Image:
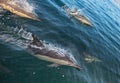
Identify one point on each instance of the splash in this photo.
(16, 36)
(17, 32)
(60, 50)
(69, 9)
(23, 4)
(22, 38)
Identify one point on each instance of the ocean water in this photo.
(60, 31)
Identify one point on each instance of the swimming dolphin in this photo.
(41, 52)
(83, 20)
(77, 15)
(90, 58)
(14, 8)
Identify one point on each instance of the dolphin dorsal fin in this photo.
(36, 41)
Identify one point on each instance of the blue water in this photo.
(101, 41)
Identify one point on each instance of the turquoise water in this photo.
(101, 41)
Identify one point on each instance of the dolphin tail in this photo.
(36, 41)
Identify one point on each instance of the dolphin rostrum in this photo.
(41, 52)
(16, 9)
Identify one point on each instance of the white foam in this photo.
(18, 32)
(16, 36)
(12, 40)
(24, 34)
(23, 4)
(70, 9)
(60, 50)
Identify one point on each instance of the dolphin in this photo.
(90, 58)
(83, 20)
(14, 8)
(77, 16)
(41, 52)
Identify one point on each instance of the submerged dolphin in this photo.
(14, 8)
(41, 52)
(90, 58)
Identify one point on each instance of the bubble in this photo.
(34, 73)
(63, 76)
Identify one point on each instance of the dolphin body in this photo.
(90, 58)
(39, 50)
(83, 20)
(17, 10)
(79, 17)
(31, 44)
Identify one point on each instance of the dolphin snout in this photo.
(77, 67)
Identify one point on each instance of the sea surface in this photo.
(60, 31)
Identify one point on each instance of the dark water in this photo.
(101, 41)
